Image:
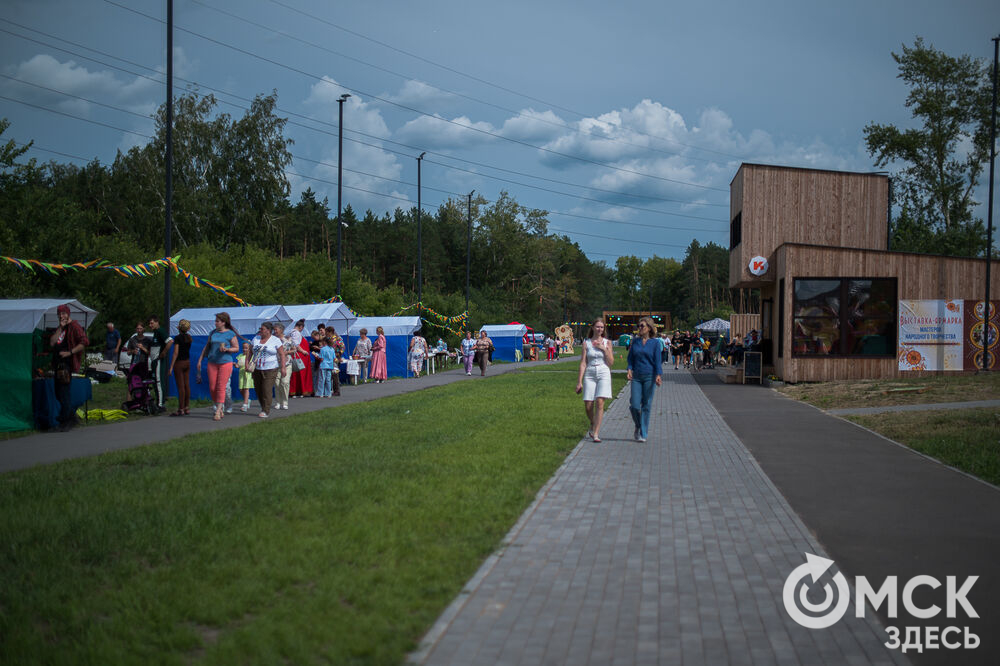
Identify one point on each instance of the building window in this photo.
(736, 230)
(844, 317)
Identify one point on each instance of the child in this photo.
(246, 376)
(327, 359)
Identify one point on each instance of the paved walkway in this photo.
(49, 447)
(670, 552)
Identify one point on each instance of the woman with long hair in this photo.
(380, 370)
(594, 379)
(218, 351)
(645, 372)
(180, 367)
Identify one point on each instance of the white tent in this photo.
(713, 325)
(26, 314)
(336, 314)
(246, 321)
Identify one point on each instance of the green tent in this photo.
(19, 322)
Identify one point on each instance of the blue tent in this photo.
(508, 340)
(398, 332)
(246, 323)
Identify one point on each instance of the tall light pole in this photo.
(340, 177)
(169, 159)
(420, 247)
(468, 256)
(989, 224)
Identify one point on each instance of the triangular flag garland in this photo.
(125, 270)
(153, 267)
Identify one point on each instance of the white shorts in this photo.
(596, 382)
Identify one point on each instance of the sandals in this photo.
(597, 440)
(177, 413)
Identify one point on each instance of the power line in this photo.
(418, 111)
(376, 138)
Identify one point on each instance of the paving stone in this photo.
(672, 551)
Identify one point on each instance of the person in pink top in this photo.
(379, 371)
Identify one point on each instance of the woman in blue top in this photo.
(219, 351)
(645, 372)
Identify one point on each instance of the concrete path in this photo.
(674, 551)
(49, 447)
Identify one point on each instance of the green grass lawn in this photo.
(331, 537)
(968, 439)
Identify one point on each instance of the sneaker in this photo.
(284, 405)
(642, 439)
(469, 374)
(263, 415)
(229, 411)
(245, 407)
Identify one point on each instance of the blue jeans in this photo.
(641, 401)
(324, 389)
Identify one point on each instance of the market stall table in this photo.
(45, 406)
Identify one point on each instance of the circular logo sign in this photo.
(758, 266)
(795, 594)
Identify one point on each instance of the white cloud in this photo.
(419, 95)
(534, 126)
(436, 133)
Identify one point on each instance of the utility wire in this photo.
(418, 111)
(350, 131)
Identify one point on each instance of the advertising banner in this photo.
(947, 334)
(931, 335)
(975, 325)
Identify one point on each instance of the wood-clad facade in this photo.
(821, 227)
(774, 205)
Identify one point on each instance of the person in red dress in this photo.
(302, 380)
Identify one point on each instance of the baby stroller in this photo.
(139, 382)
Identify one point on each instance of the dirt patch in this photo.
(886, 392)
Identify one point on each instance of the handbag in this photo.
(298, 364)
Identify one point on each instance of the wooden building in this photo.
(815, 243)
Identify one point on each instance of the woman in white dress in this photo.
(594, 380)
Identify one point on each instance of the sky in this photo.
(625, 121)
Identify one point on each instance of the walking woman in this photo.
(645, 371)
(379, 371)
(268, 359)
(180, 367)
(468, 352)
(418, 353)
(483, 348)
(218, 351)
(594, 380)
(284, 381)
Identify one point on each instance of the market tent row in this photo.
(508, 340)
(398, 333)
(246, 322)
(336, 314)
(20, 321)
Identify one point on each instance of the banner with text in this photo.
(931, 335)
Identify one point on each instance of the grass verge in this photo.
(903, 391)
(331, 537)
(968, 439)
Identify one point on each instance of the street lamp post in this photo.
(420, 247)
(340, 178)
(468, 255)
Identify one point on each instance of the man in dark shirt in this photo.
(159, 353)
(112, 343)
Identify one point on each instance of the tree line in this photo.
(235, 224)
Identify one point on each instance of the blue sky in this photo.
(627, 121)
